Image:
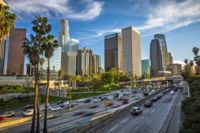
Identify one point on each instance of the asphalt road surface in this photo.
(151, 120)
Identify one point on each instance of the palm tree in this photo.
(49, 46)
(186, 61)
(60, 75)
(33, 54)
(7, 21)
(33, 49)
(191, 63)
(195, 51)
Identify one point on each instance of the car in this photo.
(28, 107)
(145, 94)
(9, 114)
(172, 92)
(87, 100)
(63, 104)
(55, 108)
(3, 118)
(89, 113)
(110, 104)
(95, 100)
(93, 107)
(136, 110)
(125, 101)
(115, 95)
(28, 112)
(148, 104)
(154, 99)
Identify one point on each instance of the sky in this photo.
(91, 20)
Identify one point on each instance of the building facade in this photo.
(170, 58)
(68, 64)
(164, 51)
(146, 67)
(64, 32)
(96, 63)
(15, 64)
(84, 61)
(113, 51)
(55, 60)
(131, 53)
(156, 58)
(175, 69)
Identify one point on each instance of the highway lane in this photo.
(150, 121)
(62, 117)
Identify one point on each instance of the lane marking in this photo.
(124, 120)
(152, 111)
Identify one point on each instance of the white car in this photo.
(55, 108)
(28, 112)
(9, 114)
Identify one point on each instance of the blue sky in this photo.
(91, 20)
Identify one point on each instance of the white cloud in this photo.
(179, 62)
(56, 8)
(170, 15)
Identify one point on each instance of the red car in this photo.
(3, 118)
(125, 101)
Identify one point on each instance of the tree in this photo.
(7, 21)
(195, 51)
(33, 48)
(60, 75)
(187, 71)
(49, 46)
(107, 77)
(186, 61)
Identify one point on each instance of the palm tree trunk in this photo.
(35, 105)
(46, 99)
(38, 104)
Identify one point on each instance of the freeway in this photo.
(151, 120)
(63, 117)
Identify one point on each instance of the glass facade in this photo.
(146, 66)
(55, 61)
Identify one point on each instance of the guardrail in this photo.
(102, 123)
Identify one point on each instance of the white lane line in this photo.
(124, 120)
(113, 128)
(152, 111)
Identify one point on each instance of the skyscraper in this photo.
(55, 60)
(156, 57)
(96, 63)
(84, 61)
(146, 66)
(15, 52)
(69, 52)
(163, 47)
(69, 62)
(64, 32)
(113, 51)
(131, 54)
(170, 58)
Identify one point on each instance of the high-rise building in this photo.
(96, 63)
(170, 57)
(55, 60)
(64, 33)
(131, 53)
(175, 69)
(84, 61)
(113, 51)
(69, 52)
(69, 62)
(156, 58)
(15, 52)
(146, 66)
(163, 47)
